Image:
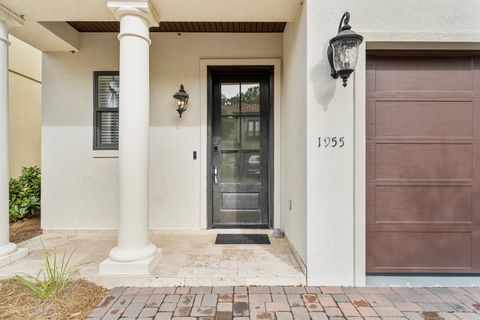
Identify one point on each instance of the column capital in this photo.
(10, 18)
(143, 9)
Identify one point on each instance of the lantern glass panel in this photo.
(345, 53)
(182, 103)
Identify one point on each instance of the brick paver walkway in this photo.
(286, 303)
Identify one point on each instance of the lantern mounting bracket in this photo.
(345, 20)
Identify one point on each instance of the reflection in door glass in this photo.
(230, 167)
(250, 132)
(230, 118)
(251, 97)
(240, 133)
(251, 160)
(230, 132)
(252, 167)
(230, 99)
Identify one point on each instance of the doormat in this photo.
(223, 238)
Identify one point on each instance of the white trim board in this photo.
(276, 63)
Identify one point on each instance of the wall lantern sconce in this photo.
(182, 100)
(343, 50)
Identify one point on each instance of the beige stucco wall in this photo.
(25, 76)
(79, 185)
(294, 170)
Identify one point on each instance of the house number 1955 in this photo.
(332, 142)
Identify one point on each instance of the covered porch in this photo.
(188, 259)
(105, 202)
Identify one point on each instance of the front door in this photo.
(240, 149)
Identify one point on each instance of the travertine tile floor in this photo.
(287, 303)
(190, 259)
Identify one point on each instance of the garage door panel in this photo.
(370, 118)
(476, 161)
(422, 227)
(370, 203)
(476, 250)
(443, 75)
(370, 249)
(422, 251)
(476, 206)
(423, 161)
(439, 119)
(427, 204)
(476, 118)
(370, 77)
(476, 76)
(423, 164)
(370, 152)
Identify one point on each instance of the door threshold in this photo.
(240, 227)
(241, 231)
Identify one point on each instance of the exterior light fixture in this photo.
(343, 50)
(182, 100)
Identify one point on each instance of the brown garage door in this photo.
(423, 163)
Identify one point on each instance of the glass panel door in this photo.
(240, 152)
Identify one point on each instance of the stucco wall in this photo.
(25, 89)
(80, 185)
(336, 177)
(294, 173)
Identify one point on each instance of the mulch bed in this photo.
(78, 299)
(25, 229)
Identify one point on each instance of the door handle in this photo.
(215, 174)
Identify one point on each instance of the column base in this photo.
(13, 256)
(8, 249)
(140, 267)
(130, 255)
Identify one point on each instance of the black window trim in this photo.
(96, 111)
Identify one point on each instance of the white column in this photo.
(8, 250)
(5, 246)
(133, 243)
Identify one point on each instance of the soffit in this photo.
(169, 10)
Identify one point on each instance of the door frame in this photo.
(275, 194)
(240, 71)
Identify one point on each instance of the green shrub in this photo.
(53, 278)
(25, 194)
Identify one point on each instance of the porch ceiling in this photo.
(183, 26)
(45, 27)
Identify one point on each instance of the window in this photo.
(253, 128)
(106, 105)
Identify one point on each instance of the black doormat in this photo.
(223, 238)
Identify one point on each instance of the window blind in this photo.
(106, 105)
(108, 128)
